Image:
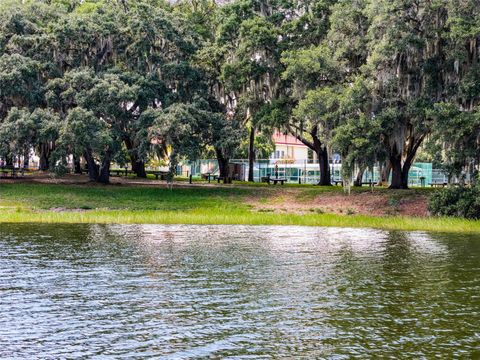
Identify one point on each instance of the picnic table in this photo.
(438, 184)
(278, 180)
(445, 184)
(120, 172)
(13, 173)
(208, 176)
(370, 183)
(158, 174)
(125, 172)
(336, 182)
(4, 173)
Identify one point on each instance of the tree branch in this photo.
(299, 136)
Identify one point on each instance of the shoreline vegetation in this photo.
(33, 202)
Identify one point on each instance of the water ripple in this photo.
(236, 292)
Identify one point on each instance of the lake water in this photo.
(236, 292)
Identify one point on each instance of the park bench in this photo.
(370, 183)
(337, 182)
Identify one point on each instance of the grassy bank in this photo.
(47, 203)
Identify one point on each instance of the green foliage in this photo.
(187, 128)
(310, 68)
(21, 131)
(264, 147)
(19, 81)
(457, 133)
(373, 80)
(456, 201)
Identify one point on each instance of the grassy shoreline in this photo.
(218, 218)
(70, 204)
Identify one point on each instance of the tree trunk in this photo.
(44, 164)
(322, 153)
(9, 161)
(397, 176)
(385, 172)
(405, 170)
(358, 181)
(104, 174)
(325, 179)
(401, 168)
(400, 171)
(77, 166)
(222, 164)
(251, 154)
(26, 160)
(138, 167)
(92, 167)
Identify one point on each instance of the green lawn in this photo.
(195, 205)
(44, 197)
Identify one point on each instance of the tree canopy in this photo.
(376, 81)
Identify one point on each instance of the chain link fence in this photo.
(308, 171)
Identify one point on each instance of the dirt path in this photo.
(366, 203)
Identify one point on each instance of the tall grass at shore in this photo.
(219, 216)
(45, 203)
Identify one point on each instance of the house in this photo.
(288, 147)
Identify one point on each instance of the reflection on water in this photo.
(181, 292)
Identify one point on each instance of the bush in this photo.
(456, 201)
